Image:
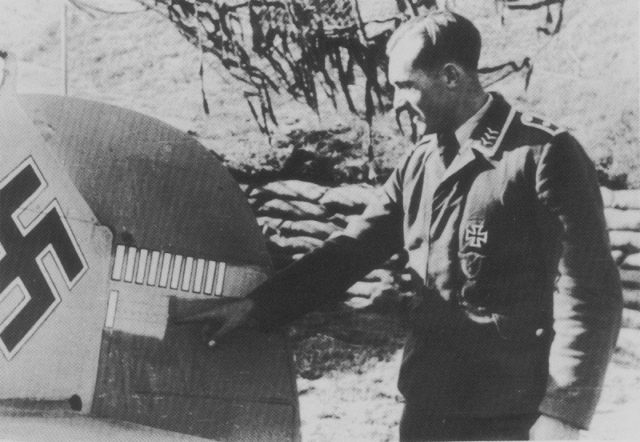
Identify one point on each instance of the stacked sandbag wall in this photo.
(622, 213)
(297, 216)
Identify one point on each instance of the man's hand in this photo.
(227, 315)
(550, 428)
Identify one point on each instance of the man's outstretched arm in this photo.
(320, 276)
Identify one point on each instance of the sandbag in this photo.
(291, 210)
(339, 220)
(632, 261)
(618, 219)
(625, 240)
(630, 318)
(607, 196)
(363, 289)
(625, 199)
(379, 275)
(297, 244)
(631, 299)
(348, 199)
(273, 223)
(618, 256)
(253, 203)
(359, 302)
(312, 228)
(289, 190)
(351, 218)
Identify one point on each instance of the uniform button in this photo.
(540, 332)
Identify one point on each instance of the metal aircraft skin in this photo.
(111, 223)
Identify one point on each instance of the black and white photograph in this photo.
(319, 220)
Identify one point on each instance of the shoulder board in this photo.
(540, 123)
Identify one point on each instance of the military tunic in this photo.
(518, 300)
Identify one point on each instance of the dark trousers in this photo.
(415, 426)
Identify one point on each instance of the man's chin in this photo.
(415, 122)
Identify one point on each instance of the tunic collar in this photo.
(483, 146)
(492, 127)
(487, 130)
(463, 133)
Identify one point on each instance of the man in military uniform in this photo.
(518, 301)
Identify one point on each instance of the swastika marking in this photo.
(475, 235)
(25, 248)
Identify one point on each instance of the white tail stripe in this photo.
(111, 309)
(131, 263)
(220, 278)
(164, 271)
(197, 279)
(186, 277)
(175, 274)
(142, 266)
(153, 268)
(118, 262)
(211, 273)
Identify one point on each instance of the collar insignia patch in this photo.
(489, 137)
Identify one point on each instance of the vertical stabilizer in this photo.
(54, 259)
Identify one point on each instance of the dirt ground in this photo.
(586, 79)
(362, 404)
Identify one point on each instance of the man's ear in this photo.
(451, 74)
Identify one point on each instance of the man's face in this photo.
(425, 95)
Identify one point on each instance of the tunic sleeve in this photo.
(588, 299)
(326, 273)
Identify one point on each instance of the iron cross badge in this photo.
(475, 235)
